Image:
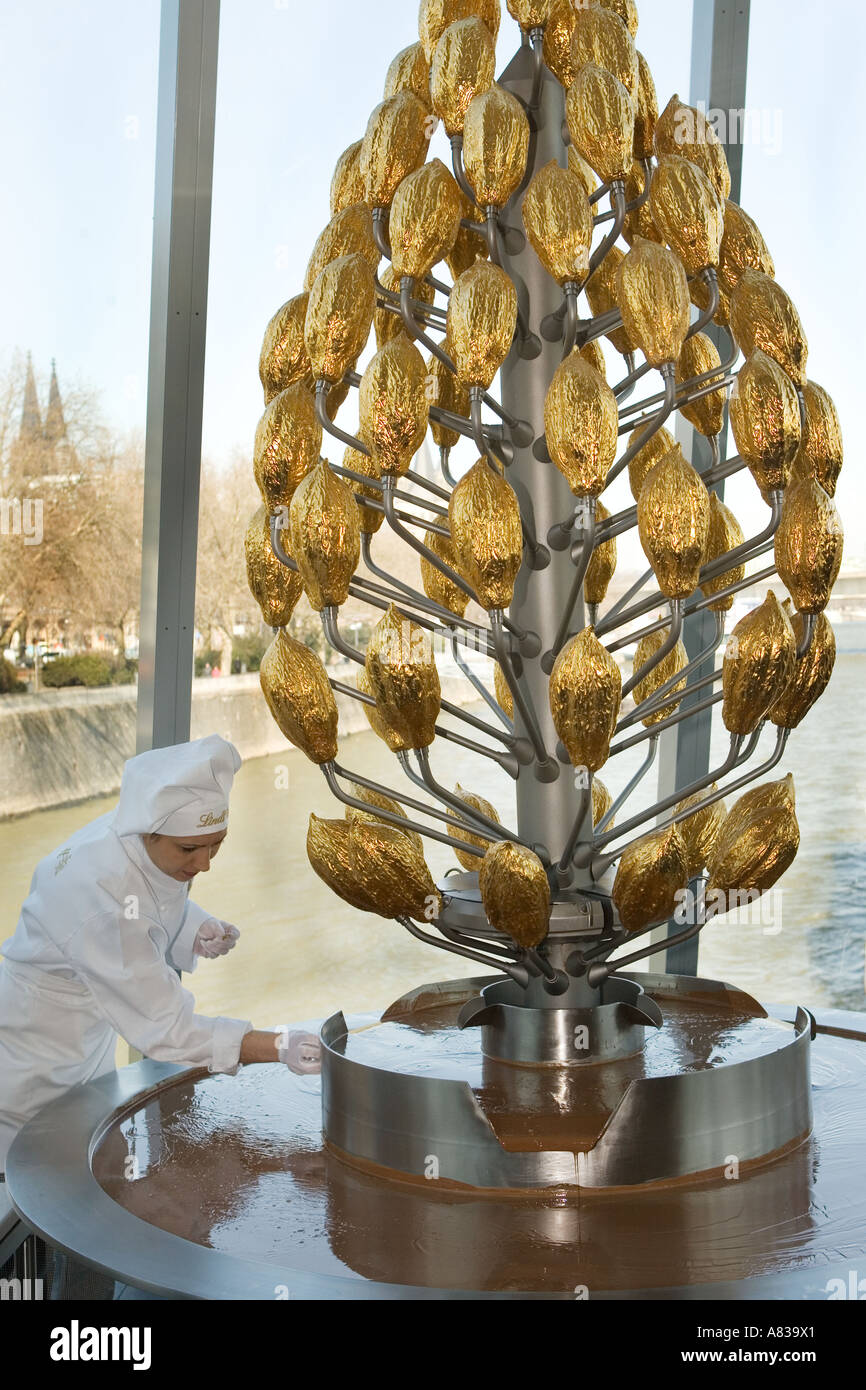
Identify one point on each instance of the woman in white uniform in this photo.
(106, 926)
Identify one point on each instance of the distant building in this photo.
(43, 453)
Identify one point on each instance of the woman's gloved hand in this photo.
(301, 1052)
(215, 938)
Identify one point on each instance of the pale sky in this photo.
(296, 85)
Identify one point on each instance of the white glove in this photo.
(215, 938)
(301, 1052)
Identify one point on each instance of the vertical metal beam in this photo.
(720, 40)
(189, 33)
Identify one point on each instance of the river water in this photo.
(303, 953)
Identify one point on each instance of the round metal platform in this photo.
(197, 1186)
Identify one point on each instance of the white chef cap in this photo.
(180, 790)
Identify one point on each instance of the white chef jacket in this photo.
(92, 957)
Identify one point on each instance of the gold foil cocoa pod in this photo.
(699, 354)
(580, 424)
(347, 181)
(495, 146)
(339, 316)
(377, 721)
(578, 166)
(388, 325)
(757, 842)
(446, 393)
(469, 246)
(662, 672)
(763, 316)
(592, 353)
(472, 862)
(627, 11)
(820, 454)
(434, 16)
(600, 37)
(328, 853)
(657, 447)
(651, 875)
(482, 314)
(502, 691)
(646, 110)
(395, 143)
(515, 892)
(348, 232)
(700, 830)
(687, 211)
(673, 517)
(437, 586)
(742, 248)
(601, 802)
(652, 292)
(275, 587)
(765, 419)
(601, 290)
(403, 678)
(725, 533)
(557, 41)
(600, 115)
(685, 131)
(808, 545)
(585, 694)
(299, 696)
(486, 533)
(378, 802)
(284, 359)
(758, 665)
(463, 65)
(558, 220)
(602, 563)
(325, 535)
(530, 14)
(287, 444)
(424, 219)
(369, 518)
(393, 405)
(639, 222)
(812, 672)
(392, 872)
(409, 71)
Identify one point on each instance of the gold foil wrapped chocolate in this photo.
(347, 181)
(765, 419)
(646, 110)
(581, 423)
(700, 830)
(600, 115)
(328, 853)
(470, 246)
(673, 517)
(585, 694)
(601, 802)
(661, 673)
(339, 316)
(287, 444)
(558, 220)
(504, 697)
(348, 232)
(388, 324)
(651, 874)
(393, 405)
(653, 295)
(602, 563)
(578, 166)
(812, 673)
(377, 721)
(463, 65)
(446, 393)
(394, 144)
(377, 803)
(424, 219)
(601, 293)
(403, 678)
(639, 222)
(515, 892)
(495, 146)
(725, 533)
(757, 842)
(486, 533)
(409, 71)
(600, 37)
(656, 448)
(482, 314)
(820, 454)
(557, 41)
(472, 862)
(275, 587)
(687, 211)
(593, 354)
(434, 16)
(758, 665)
(369, 518)
(392, 872)
(763, 316)
(685, 131)
(742, 248)
(284, 358)
(325, 536)
(299, 696)
(627, 11)
(808, 545)
(530, 14)
(437, 586)
(699, 354)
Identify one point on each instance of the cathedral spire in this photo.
(55, 424)
(31, 422)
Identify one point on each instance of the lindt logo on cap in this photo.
(208, 818)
